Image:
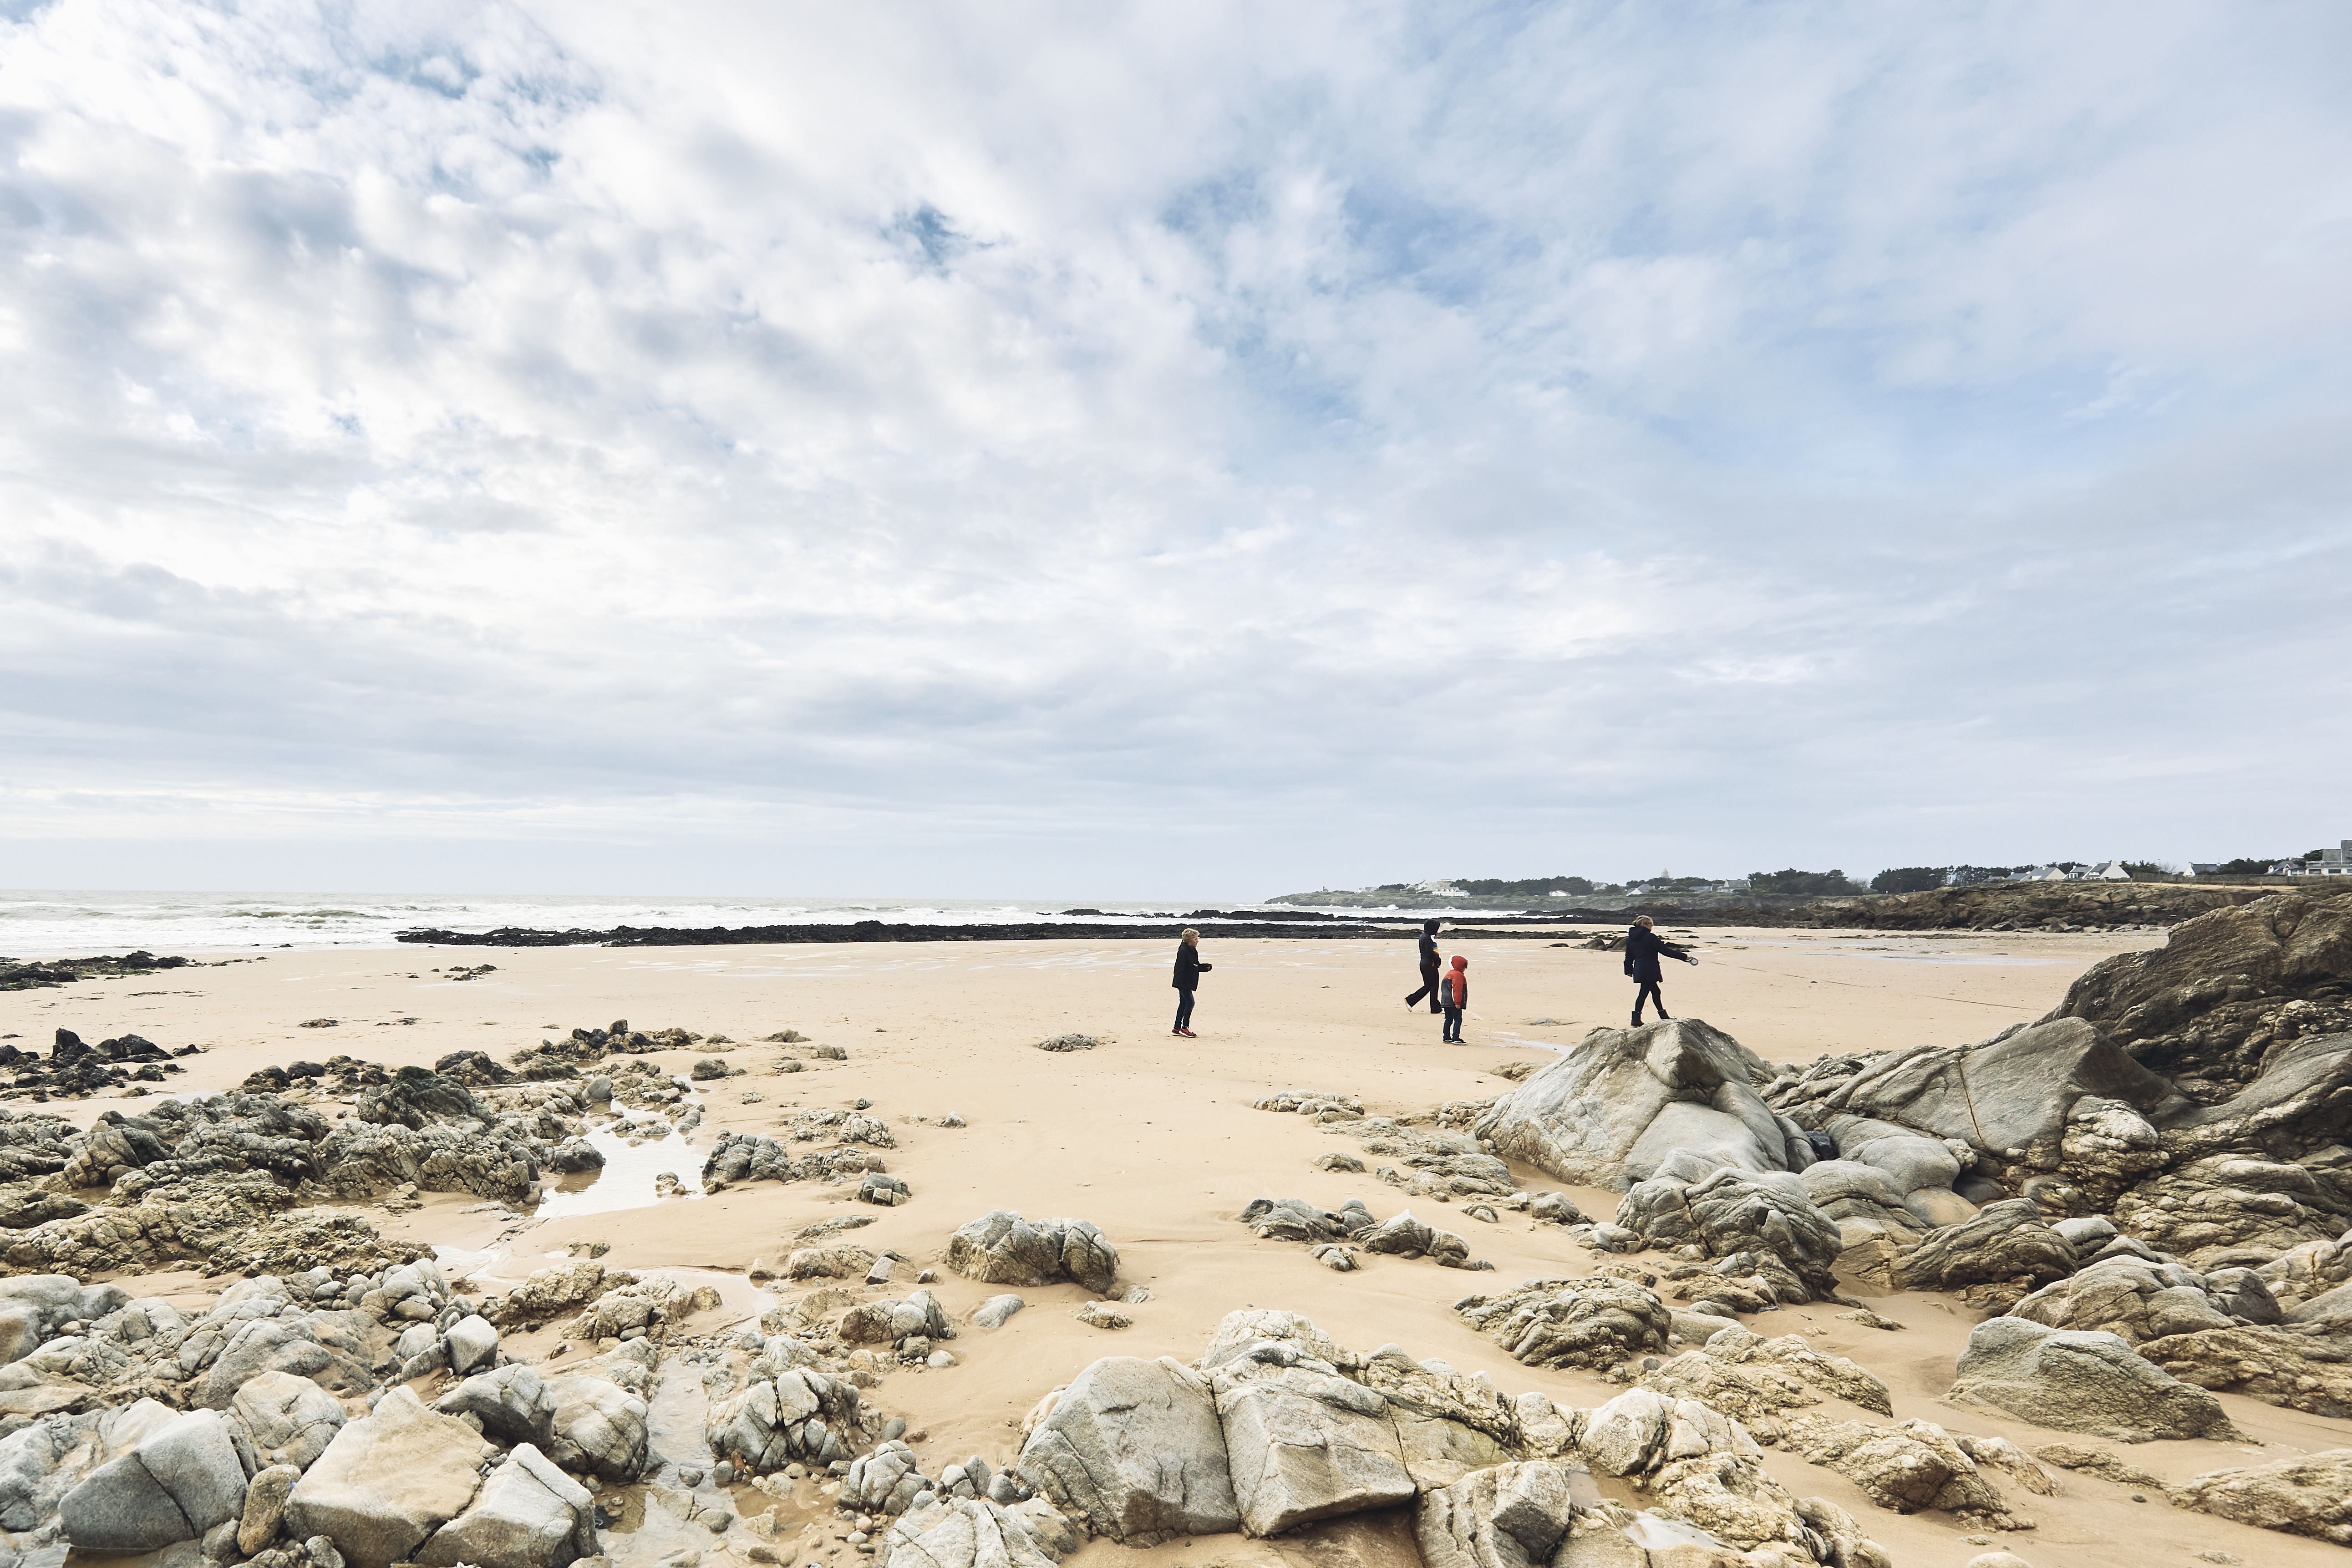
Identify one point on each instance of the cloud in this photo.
(1200, 449)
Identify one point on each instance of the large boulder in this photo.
(2077, 1381)
(178, 1483)
(1134, 1446)
(2296, 1366)
(2008, 1096)
(1002, 1248)
(1590, 1116)
(2221, 991)
(1304, 1444)
(2301, 1099)
(388, 1481)
(416, 1097)
(528, 1514)
(1908, 1467)
(2308, 1494)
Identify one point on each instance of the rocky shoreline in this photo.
(2143, 1199)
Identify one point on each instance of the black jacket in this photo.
(1189, 967)
(1429, 954)
(1644, 948)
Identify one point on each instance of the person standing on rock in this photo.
(1428, 969)
(1644, 948)
(1189, 970)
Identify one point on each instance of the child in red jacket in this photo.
(1453, 990)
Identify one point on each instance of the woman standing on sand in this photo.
(1644, 948)
(1189, 970)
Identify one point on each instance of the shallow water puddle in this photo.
(631, 1170)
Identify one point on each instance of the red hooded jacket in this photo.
(1456, 987)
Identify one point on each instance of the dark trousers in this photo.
(1428, 988)
(1183, 1009)
(1452, 1030)
(1648, 992)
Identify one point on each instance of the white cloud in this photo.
(1194, 448)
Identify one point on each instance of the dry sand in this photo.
(1153, 1138)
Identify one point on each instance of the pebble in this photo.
(893, 1427)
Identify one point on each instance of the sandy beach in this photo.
(1154, 1140)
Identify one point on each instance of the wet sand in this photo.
(1154, 1140)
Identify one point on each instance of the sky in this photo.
(1189, 449)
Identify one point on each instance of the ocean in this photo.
(67, 924)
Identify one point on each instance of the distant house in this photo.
(2045, 874)
(2335, 862)
(2113, 871)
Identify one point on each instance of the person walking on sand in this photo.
(1189, 970)
(1644, 948)
(1455, 990)
(1428, 969)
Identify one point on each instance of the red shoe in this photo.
(1188, 1034)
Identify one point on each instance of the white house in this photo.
(2335, 862)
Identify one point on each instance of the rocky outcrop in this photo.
(2075, 1381)
(2208, 1006)
(1908, 1467)
(2229, 1210)
(2138, 1300)
(1621, 1101)
(528, 1514)
(181, 1481)
(968, 1532)
(1733, 1212)
(1754, 1379)
(2008, 1244)
(746, 1157)
(1593, 1323)
(2296, 1366)
(2310, 1495)
(1002, 1248)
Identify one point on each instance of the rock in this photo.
(276, 1418)
(417, 1097)
(1732, 1212)
(1747, 1376)
(1095, 1315)
(179, 1482)
(471, 1342)
(2306, 1495)
(387, 1481)
(2076, 1381)
(2007, 1242)
(2127, 1297)
(1594, 1323)
(888, 1191)
(2216, 1210)
(2284, 1365)
(839, 1261)
(2013, 1091)
(803, 1414)
(1135, 1446)
(1997, 1560)
(265, 1507)
(33, 1308)
(599, 1429)
(997, 1310)
(1306, 1445)
(1583, 1117)
(551, 1294)
(1911, 1466)
(888, 1322)
(965, 1532)
(1002, 1248)
(1344, 1164)
(529, 1514)
(2097, 1462)
(2214, 999)
(1509, 1516)
(1295, 1219)
(513, 1404)
(1068, 1043)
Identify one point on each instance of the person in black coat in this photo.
(1189, 970)
(1428, 969)
(1644, 948)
